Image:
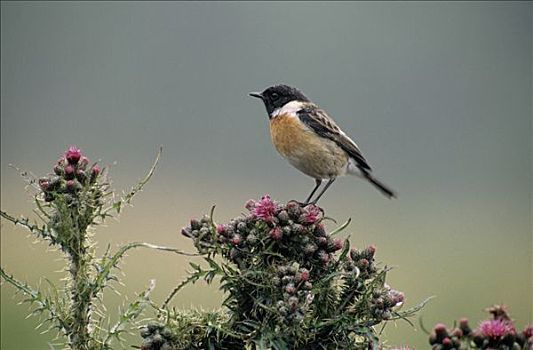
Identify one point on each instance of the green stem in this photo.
(79, 337)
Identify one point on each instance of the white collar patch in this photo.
(290, 108)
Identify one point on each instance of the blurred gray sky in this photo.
(437, 95)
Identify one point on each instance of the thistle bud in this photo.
(446, 342)
(95, 171)
(195, 224)
(294, 209)
(322, 241)
(310, 248)
(186, 231)
(335, 245)
(69, 172)
(59, 170)
(241, 226)
(252, 239)
(221, 229)
(48, 197)
(283, 216)
(81, 176)
(457, 333)
(293, 303)
(324, 257)
(250, 204)
(369, 252)
(72, 185)
(464, 326)
(289, 288)
(303, 275)
(44, 184)
(73, 155)
(320, 230)
(82, 164)
(236, 240)
(276, 234)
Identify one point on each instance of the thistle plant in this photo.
(289, 284)
(497, 333)
(70, 203)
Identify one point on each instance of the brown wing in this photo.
(322, 124)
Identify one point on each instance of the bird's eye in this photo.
(275, 96)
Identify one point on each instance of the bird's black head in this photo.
(277, 96)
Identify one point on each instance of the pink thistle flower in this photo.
(311, 214)
(73, 155)
(496, 329)
(265, 209)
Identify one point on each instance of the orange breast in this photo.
(312, 154)
(288, 134)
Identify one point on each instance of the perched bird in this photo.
(311, 141)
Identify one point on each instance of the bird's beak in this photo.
(256, 94)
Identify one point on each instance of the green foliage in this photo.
(288, 284)
(70, 203)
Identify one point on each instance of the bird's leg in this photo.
(323, 190)
(318, 183)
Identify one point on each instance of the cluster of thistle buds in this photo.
(362, 261)
(200, 232)
(498, 332)
(293, 225)
(383, 301)
(71, 174)
(157, 337)
(295, 287)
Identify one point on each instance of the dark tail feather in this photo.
(380, 186)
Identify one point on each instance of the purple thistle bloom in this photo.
(496, 329)
(265, 209)
(73, 155)
(311, 214)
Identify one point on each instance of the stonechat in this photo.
(311, 141)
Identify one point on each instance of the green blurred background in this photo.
(438, 96)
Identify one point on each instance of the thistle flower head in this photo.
(496, 329)
(265, 209)
(311, 214)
